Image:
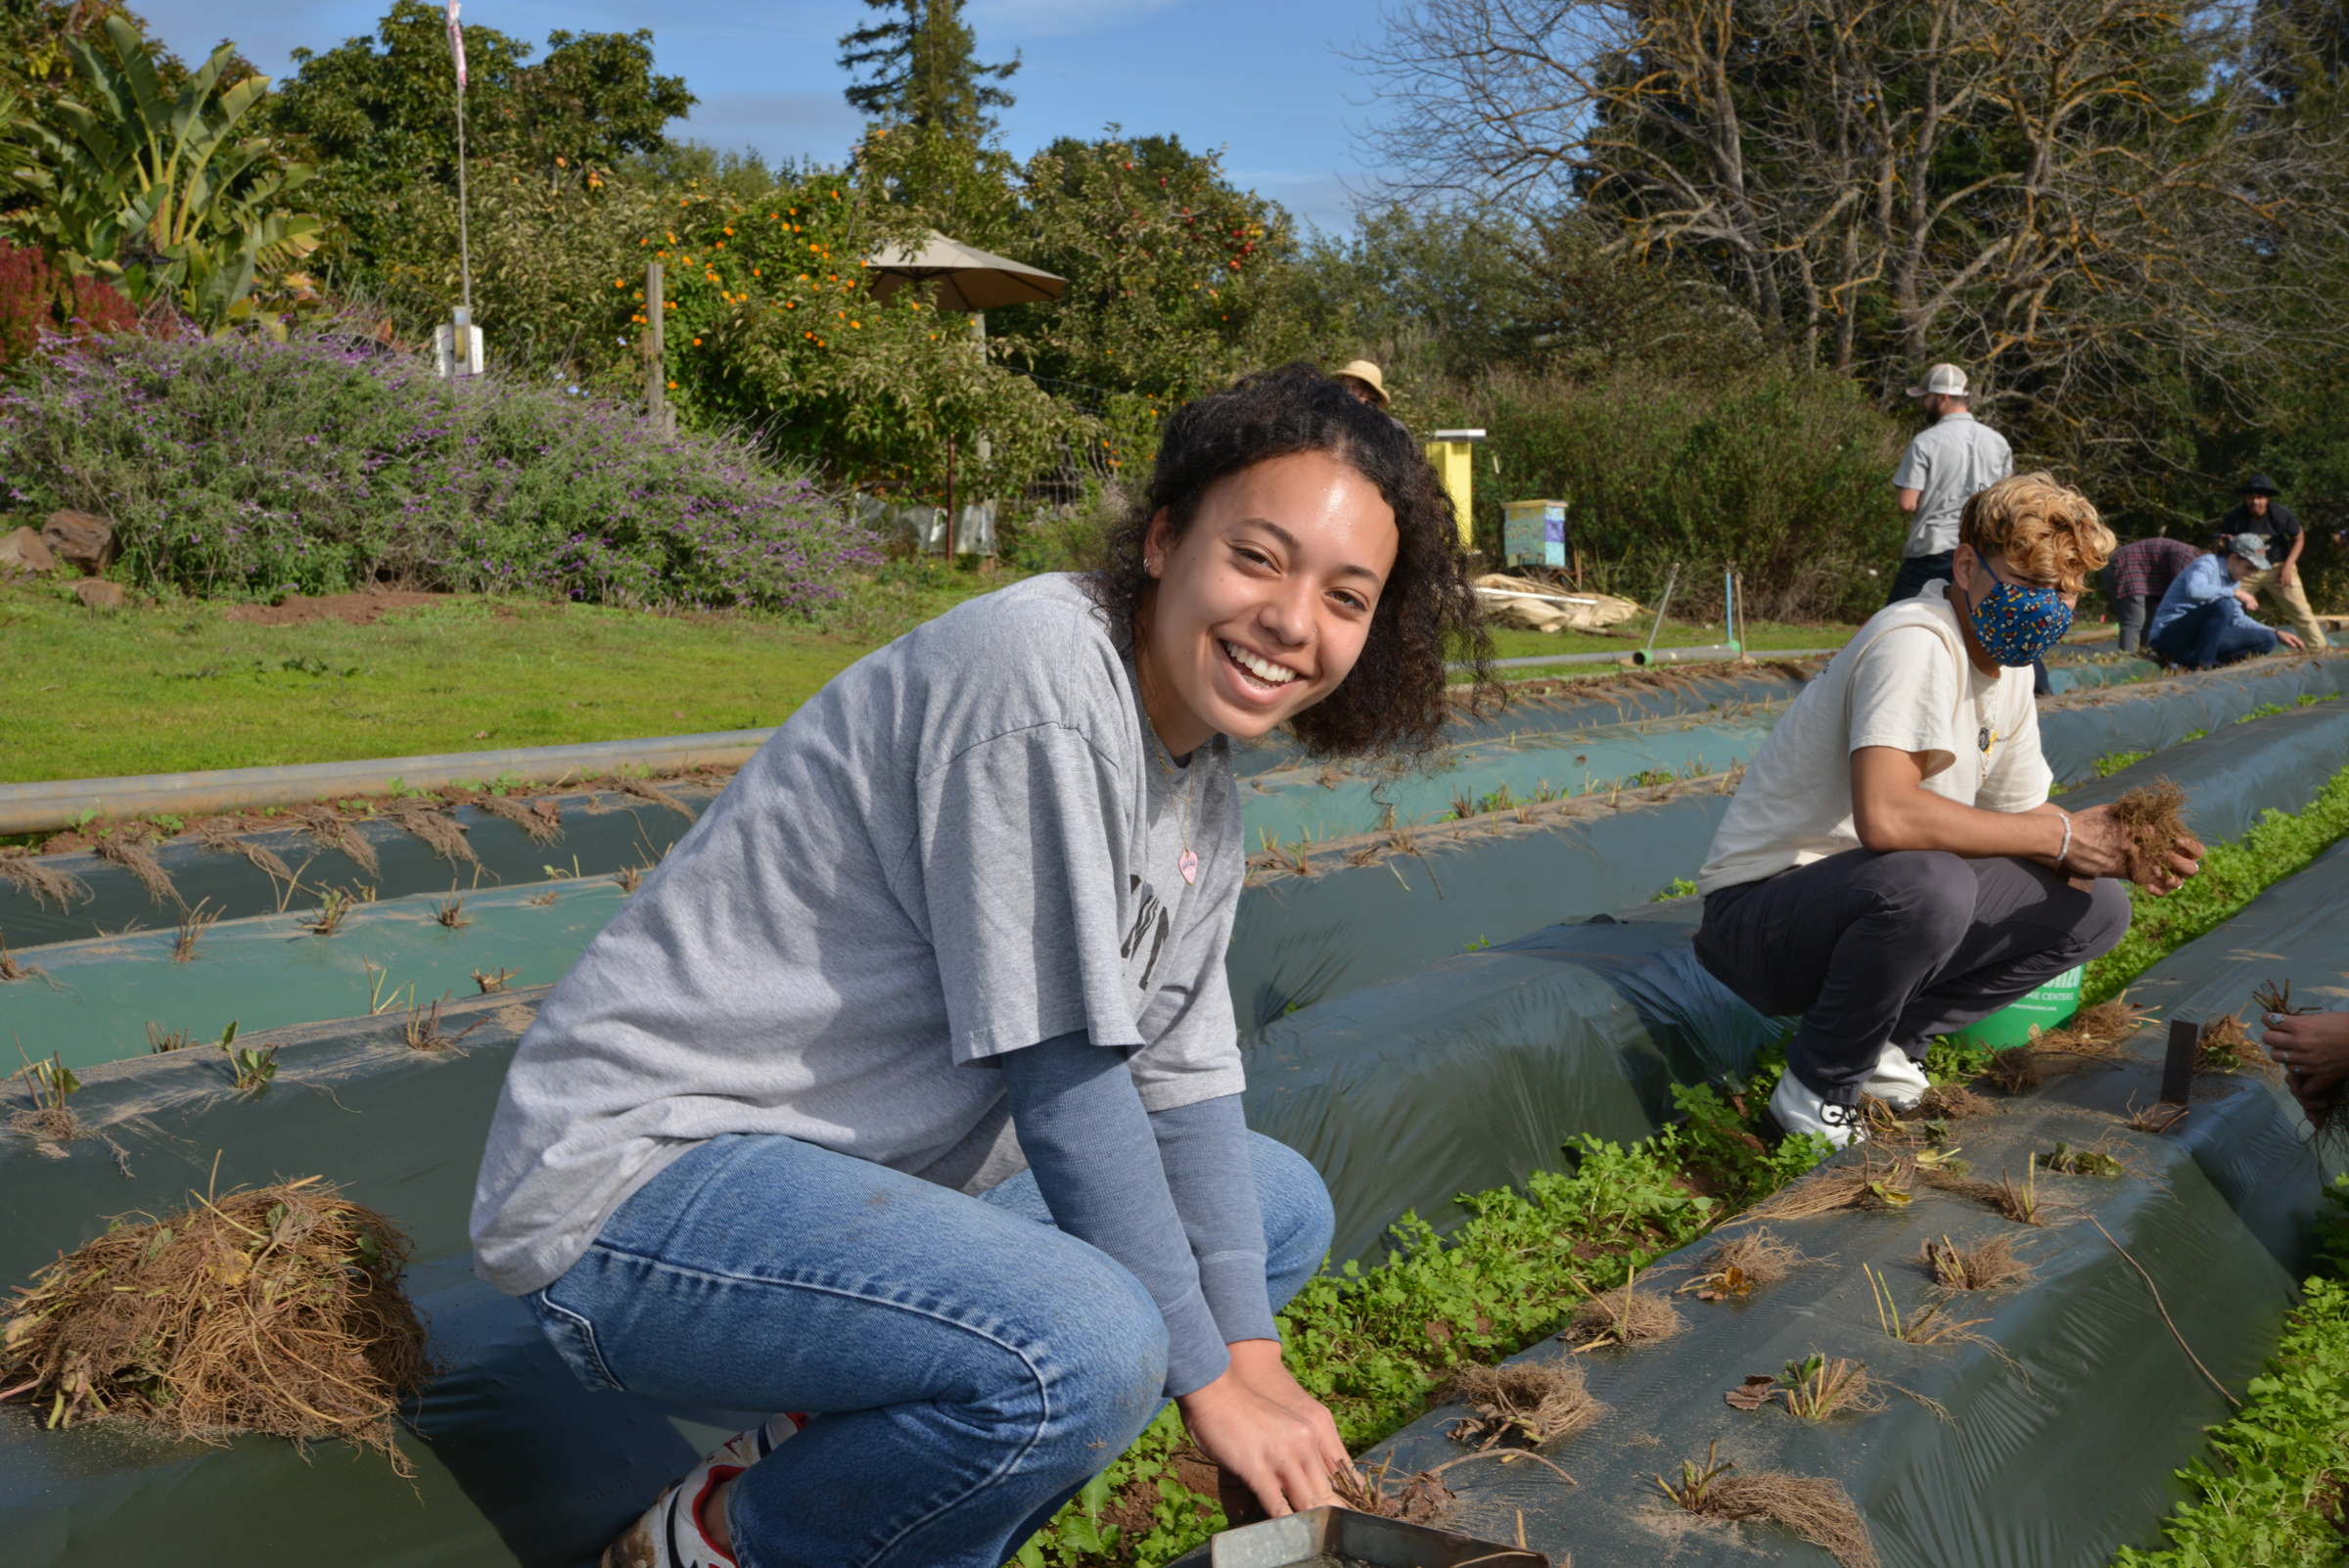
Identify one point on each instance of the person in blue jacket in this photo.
(2204, 619)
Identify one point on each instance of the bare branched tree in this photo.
(2082, 201)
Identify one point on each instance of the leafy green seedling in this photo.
(2065, 1160)
(253, 1069)
(1694, 1483)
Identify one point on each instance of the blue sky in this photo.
(1259, 79)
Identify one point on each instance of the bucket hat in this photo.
(1366, 373)
(1942, 381)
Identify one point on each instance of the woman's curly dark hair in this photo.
(1396, 696)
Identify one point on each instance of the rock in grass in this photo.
(275, 1310)
(84, 539)
(23, 551)
(96, 593)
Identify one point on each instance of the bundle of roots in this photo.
(2094, 1035)
(1624, 1316)
(327, 826)
(2155, 828)
(2224, 1047)
(1984, 1265)
(432, 821)
(276, 1311)
(541, 819)
(1814, 1507)
(1420, 1499)
(1741, 1265)
(1520, 1404)
(1872, 1183)
(130, 847)
(1812, 1389)
(1950, 1102)
(223, 838)
(644, 789)
(19, 868)
(2021, 1204)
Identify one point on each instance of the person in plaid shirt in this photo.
(2138, 574)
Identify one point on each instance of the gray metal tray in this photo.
(1320, 1534)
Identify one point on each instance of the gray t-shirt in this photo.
(964, 844)
(1952, 460)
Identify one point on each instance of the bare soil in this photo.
(356, 609)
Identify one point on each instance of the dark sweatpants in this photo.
(1871, 948)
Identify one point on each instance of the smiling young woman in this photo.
(904, 1096)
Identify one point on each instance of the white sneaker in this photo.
(1898, 1080)
(1797, 1109)
(746, 1449)
(670, 1534)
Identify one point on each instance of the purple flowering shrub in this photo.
(236, 468)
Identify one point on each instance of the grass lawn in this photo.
(180, 686)
(1627, 636)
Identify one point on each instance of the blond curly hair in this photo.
(2043, 528)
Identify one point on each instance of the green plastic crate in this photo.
(2050, 1005)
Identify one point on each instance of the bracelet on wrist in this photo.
(2067, 836)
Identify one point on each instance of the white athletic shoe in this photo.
(669, 1535)
(1797, 1109)
(1898, 1080)
(746, 1449)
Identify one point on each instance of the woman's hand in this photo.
(2100, 848)
(2313, 1048)
(1262, 1428)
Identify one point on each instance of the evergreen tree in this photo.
(922, 70)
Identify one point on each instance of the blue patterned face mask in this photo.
(2018, 625)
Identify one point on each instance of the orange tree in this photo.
(772, 325)
(1178, 281)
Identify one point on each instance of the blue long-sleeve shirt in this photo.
(1170, 1194)
(2197, 586)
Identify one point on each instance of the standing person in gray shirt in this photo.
(903, 1097)
(1951, 461)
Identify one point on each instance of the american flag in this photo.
(456, 43)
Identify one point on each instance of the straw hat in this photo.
(1366, 373)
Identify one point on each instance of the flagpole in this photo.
(456, 41)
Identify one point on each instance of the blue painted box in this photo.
(1533, 533)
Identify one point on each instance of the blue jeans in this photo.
(973, 1367)
(2216, 633)
(1918, 570)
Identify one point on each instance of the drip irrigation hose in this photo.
(1662, 656)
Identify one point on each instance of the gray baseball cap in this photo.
(2252, 547)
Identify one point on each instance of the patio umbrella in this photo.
(967, 277)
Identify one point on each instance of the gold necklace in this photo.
(1186, 863)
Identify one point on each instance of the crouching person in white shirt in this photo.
(1891, 868)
